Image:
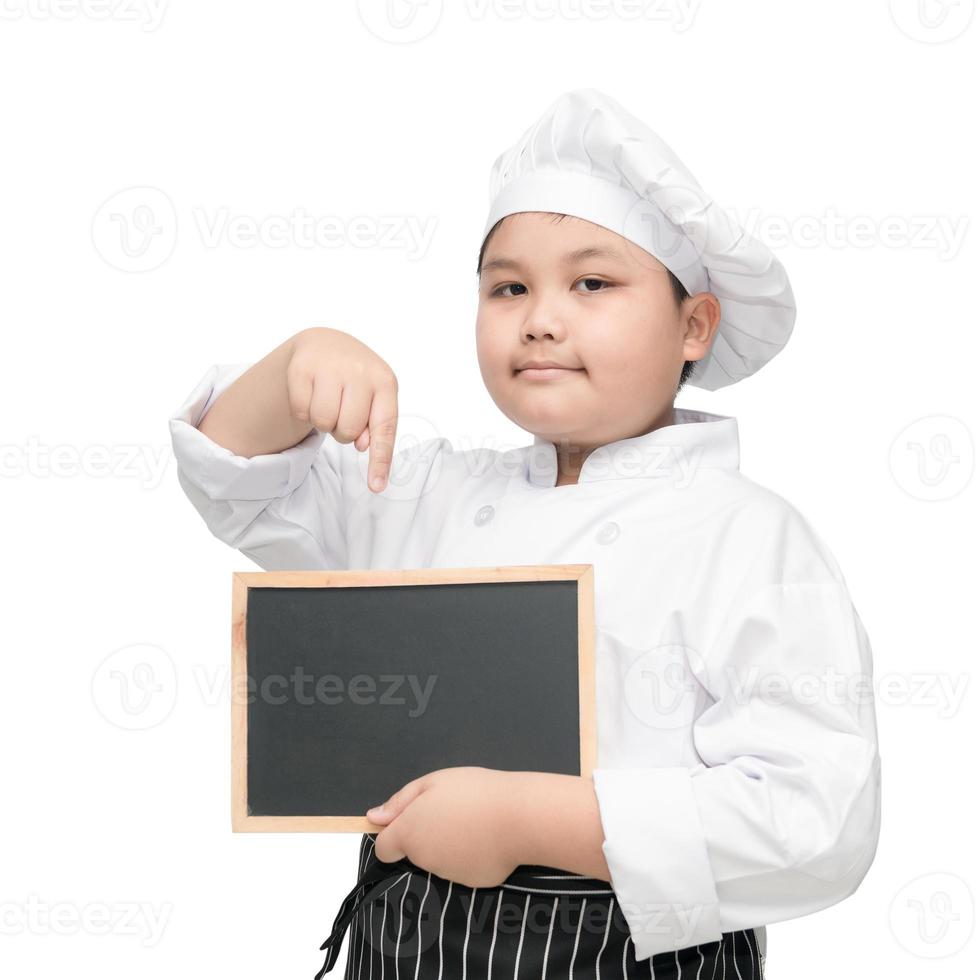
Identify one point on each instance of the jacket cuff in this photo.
(658, 858)
(220, 473)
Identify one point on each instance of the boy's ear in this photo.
(701, 319)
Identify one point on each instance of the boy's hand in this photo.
(453, 822)
(343, 388)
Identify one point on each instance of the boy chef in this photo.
(738, 769)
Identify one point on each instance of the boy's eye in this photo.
(506, 285)
(592, 279)
(516, 285)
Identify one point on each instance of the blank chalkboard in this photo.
(349, 684)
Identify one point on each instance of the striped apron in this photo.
(409, 924)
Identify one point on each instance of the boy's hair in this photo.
(677, 287)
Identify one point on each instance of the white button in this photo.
(483, 515)
(608, 533)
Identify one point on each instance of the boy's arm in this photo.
(252, 416)
(555, 822)
(782, 818)
(283, 509)
(307, 506)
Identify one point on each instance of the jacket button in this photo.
(608, 533)
(483, 515)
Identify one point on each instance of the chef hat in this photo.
(588, 157)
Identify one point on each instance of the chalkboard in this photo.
(348, 684)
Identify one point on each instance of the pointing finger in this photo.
(383, 424)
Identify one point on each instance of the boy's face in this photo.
(610, 319)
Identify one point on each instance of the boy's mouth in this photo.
(544, 369)
(545, 373)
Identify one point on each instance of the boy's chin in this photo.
(550, 421)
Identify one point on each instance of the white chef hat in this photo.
(587, 156)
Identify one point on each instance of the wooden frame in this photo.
(241, 820)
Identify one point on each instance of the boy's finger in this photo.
(383, 423)
(387, 847)
(398, 801)
(379, 816)
(323, 404)
(363, 440)
(299, 391)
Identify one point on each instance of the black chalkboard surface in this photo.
(349, 684)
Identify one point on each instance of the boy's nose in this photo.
(544, 325)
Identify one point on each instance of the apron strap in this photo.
(551, 881)
(377, 878)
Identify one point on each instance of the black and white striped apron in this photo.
(409, 924)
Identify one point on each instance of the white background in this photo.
(849, 128)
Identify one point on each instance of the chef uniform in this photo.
(738, 773)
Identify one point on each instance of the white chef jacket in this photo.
(738, 774)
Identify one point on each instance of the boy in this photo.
(732, 789)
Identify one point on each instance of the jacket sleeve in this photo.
(782, 817)
(306, 507)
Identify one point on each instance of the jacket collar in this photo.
(694, 441)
